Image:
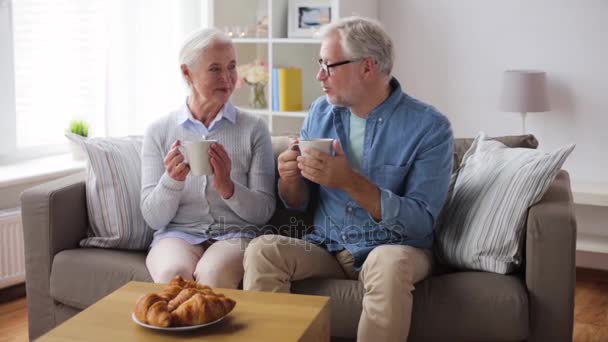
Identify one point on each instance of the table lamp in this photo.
(524, 91)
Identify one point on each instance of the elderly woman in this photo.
(204, 223)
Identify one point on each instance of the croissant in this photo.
(181, 282)
(183, 296)
(201, 309)
(152, 309)
(170, 292)
(159, 315)
(182, 303)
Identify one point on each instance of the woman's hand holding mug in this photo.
(221, 163)
(175, 164)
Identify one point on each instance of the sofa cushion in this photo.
(461, 145)
(463, 306)
(483, 222)
(113, 187)
(82, 276)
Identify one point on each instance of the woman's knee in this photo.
(227, 274)
(164, 273)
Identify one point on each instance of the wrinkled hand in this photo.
(221, 163)
(322, 168)
(288, 165)
(174, 163)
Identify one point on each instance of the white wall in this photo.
(452, 54)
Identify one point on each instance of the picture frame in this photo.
(305, 17)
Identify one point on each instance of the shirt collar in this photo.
(391, 101)
(228, 112)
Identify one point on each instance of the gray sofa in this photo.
(535, 305)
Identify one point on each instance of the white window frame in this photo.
(8, 113)
(8, 109)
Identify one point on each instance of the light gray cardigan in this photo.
(194, 206)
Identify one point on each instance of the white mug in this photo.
(323, 145)
(197, 155)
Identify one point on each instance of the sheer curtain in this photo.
(58, 67)
(143, 74)
(111, 62)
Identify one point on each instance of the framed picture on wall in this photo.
(306, 17)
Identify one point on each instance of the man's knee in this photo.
(390, 258)
(264, 246)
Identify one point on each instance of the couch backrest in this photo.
(295, 224)
(461, 145)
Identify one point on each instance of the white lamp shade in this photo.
(524, 91)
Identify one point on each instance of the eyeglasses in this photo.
(325, 67)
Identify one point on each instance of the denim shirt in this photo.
(407, 153)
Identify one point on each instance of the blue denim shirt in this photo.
(407, 153)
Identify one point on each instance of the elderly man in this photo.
(380, 192)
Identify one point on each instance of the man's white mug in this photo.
(197, 155)
(323, 145)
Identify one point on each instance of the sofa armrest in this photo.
(54, 217)
(550, 263)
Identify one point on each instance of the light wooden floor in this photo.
(591, 306)
(590, 312)
(13, 320)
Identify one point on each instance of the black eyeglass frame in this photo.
(325, 67)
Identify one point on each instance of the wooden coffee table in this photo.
(258, 316)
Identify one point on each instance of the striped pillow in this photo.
(113, 187)
(482, 224)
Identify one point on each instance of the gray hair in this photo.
(363, 37)
(197, 42)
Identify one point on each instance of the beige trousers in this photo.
(217, 264)
(388, 275)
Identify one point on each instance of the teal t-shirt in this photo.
(355, 146)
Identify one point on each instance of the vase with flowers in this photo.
(255, 75)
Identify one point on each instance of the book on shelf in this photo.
(286, 89)
(275, 89)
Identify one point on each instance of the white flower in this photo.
(253, 73)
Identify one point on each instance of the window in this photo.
(110, 62)
(59, 49)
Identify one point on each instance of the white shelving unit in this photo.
(277, 49)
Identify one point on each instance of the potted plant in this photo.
(81, 129)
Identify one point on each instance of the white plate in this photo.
(172, 328)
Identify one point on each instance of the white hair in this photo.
(362, 38)
(197, 42)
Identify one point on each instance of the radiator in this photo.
(12, 258)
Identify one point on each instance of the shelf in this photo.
(276, 40)
(592, 243)
(256, 111)
(291, 114)
(296, 41)
(266, 30)
(590, 193)
(268, 112)
(250, 40)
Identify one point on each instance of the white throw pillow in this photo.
(483, 222)
(113, 189)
